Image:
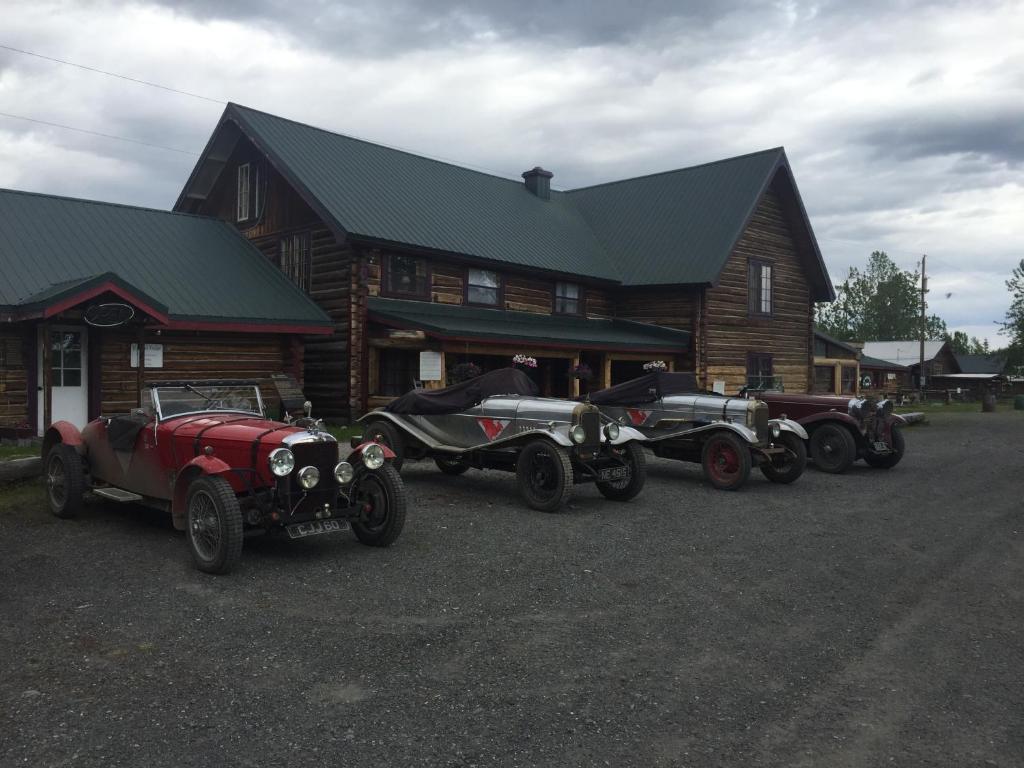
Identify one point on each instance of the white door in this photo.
(69, 378)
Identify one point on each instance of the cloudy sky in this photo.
(904, 121)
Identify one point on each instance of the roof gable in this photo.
(189, 267)
(903, 352)
(980, 363)
(676, 227)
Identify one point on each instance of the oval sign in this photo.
(108, 315)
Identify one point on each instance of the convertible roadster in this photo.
(204, 451)
(843, 429)
(496, 421)
(725, 434)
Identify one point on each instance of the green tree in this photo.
(880, 302)
(1013, 326)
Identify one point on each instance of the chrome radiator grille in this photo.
(591, 421)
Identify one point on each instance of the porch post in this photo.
(575, 382)
(140, 372)
(47, 376)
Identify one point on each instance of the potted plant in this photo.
(523, 361)
(655, 365)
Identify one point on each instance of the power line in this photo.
(97, 133)
(111, 74)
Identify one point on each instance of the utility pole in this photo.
(924, 289)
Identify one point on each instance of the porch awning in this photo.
(459, 323)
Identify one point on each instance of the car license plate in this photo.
(612, 473)
(881, 447)
(315, 528)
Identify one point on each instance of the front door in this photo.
(69, 376)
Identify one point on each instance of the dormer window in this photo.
(483, 287)
(567, 299)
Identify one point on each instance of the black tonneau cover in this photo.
(647, 389)
(465, 394)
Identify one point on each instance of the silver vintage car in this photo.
(496, 421)
(726, 435)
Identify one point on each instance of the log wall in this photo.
(731, 333)
(14, 377)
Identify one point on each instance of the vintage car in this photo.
(843, 429)
(496, 421)
(726, 435)
(204, 451)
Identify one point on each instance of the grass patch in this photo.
(931, 407)
(20, 494)
(18, 451)
(344, 434)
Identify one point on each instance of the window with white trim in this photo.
(244, 178)
(482, 287)
(759, 286)
(567, 298)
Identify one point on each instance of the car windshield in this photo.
(199, 397)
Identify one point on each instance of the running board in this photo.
(117, 494)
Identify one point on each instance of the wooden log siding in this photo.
(731, 333)
(14, 376)
(192, 356)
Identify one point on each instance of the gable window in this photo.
(483, 287)
(759, 288)
(567, 298)
(405, 276)
(244, 174)
(759, 371)
(295, 259)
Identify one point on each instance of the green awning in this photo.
(460, 323)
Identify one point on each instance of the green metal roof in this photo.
(677, 227)
(461, 322)
(189, 267)
(874, 362)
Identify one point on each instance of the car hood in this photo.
(824, 402)
(228, 427)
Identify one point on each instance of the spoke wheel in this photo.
(633, 483)
(726, 461)
(544, 472)
(385, 433)
(789, 466)
(383, 501)
(833, 448)
(65, 481)
(214, 526)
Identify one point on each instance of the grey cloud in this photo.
(995, 135)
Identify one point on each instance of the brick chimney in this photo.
(538, 181)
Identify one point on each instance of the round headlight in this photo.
(776, 431)
(282, 462)
(612, 431)
(344, 473)
(578, 434)
(373, 456)
(309, 477)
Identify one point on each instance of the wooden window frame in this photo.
(499, 301)
(752, 356)
(385, 278)
(755, 299)
(307, 237)
(580, 307)
(242, 212)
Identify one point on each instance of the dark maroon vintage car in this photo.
(205, 452)
(841, 430)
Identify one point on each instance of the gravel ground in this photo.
(873, 618)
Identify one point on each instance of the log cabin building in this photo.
(97, 299)
(423, 265)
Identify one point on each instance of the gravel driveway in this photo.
(872, 618)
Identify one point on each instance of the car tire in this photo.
(544, 474)
(726, 461)
(213, 524)
(65, 481)
(385, 433)
(888, 460)
(789, 468)
(833, 448)
(624, 490)
(451, 466)
(383, 490)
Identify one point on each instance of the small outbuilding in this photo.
(96, 299)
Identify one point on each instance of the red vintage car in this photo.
(204, 451)
(841, 430)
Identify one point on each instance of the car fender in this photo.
(844, 418)
(628, 435)
(63, 432)
(788, 425)
(357, 451)
(199, 466)
(895, 418)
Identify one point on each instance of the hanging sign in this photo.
(108, 315)
(430, 365)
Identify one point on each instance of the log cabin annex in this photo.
(713, 268)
